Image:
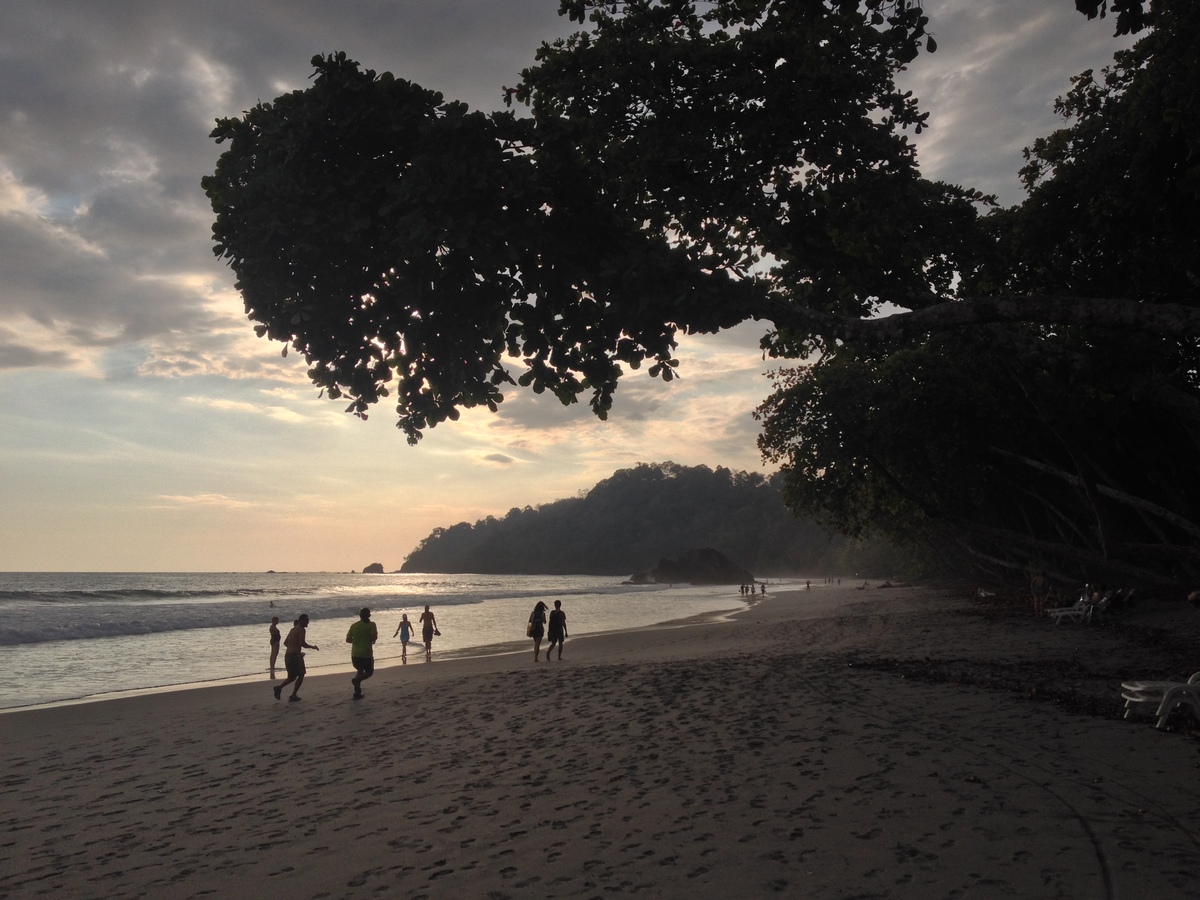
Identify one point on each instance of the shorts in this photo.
(294, 663)
(427, 635)
(364, 664)
(556, 636)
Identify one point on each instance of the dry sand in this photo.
(886, 743)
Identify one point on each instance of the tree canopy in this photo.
(626, 523)
(1066, 443)
(686, 167)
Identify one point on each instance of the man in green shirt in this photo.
(361, 637)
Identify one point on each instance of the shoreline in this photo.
(507, 648)
(821, 746)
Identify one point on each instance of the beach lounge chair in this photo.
(1076, 612)
(1164, 695)
(1083, 609)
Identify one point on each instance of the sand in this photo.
(914, 743)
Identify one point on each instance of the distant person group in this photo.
(363, 635)
(747, 590)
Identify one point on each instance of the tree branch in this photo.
(1136, 502)
(1155, 318)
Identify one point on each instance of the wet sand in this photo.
(835, 743)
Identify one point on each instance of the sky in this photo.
(143, 426)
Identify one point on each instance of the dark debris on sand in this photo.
(1077, 667)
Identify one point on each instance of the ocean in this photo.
(69, 637)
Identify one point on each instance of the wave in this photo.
(106, 618)
(134, 594)
(37, 613)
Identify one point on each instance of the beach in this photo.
(908, 742)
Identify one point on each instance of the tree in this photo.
(1082, 455)
(688, 167)
(629, 521)
(681, 171)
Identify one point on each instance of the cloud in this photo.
(277, 413)
(991, 85)
(104, 231)
(63, 286)
(215, 500)
(17, 353)
(500, 459)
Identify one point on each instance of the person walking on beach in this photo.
(557, 629)
(293, 657)
(404, 629)
(1039, 587)
(428, 630)
(361, 637)
(537, 628)
(275, 639)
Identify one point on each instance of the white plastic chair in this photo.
(1166, 695)
(1073, 613)
(1084, 609)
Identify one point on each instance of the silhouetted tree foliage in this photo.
(691, 166)
(1072, 446)
(626, 523)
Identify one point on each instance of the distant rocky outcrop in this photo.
(703, 566)
(373, 569)
(628, 521)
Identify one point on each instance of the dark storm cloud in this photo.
(106, 110)
(75, 290)
(15, 355)
(990, 86)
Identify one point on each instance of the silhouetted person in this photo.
(537, 628)
(556, 630)
(361, 637)
(405, 630)
(428, 630)
(1039, 587)
(275, 639)
(293, 657)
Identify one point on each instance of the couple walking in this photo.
(429, 629)
(538, 626)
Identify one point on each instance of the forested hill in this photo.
(626, 523)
